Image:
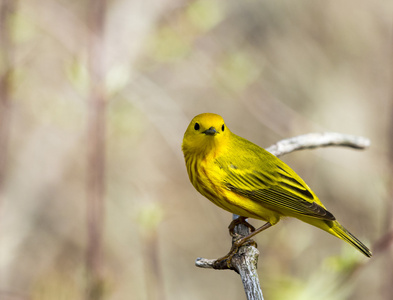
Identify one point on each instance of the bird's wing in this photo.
(277, 189)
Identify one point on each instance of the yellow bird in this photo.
(247, 180)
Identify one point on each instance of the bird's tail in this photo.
(339, 231)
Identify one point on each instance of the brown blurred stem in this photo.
(96, 149)
(7, 9)
(386, 242)
(246, 260)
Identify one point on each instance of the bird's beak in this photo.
(210, 131)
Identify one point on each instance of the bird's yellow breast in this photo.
(208, 178)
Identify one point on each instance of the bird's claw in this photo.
(225, 262)
(236, 222)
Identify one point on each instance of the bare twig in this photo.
(245, 261)
(246, 264)
(318, 140)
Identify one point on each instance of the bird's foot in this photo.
(225, 262)
(238, 221)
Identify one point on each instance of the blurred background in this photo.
(95, 96)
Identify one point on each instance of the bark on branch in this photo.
(245, 261)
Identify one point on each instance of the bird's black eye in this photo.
(223, 127)
(196, 126)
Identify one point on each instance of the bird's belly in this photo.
(207, 178)
(245, 207)
(215, 190)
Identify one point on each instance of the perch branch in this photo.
(245, 261)
(318, 140)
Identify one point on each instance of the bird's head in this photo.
(206, 132)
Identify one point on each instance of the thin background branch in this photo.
(7, 9)
(96, 149)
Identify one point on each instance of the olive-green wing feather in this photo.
(277, 188)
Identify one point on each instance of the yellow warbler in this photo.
(247, 180)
